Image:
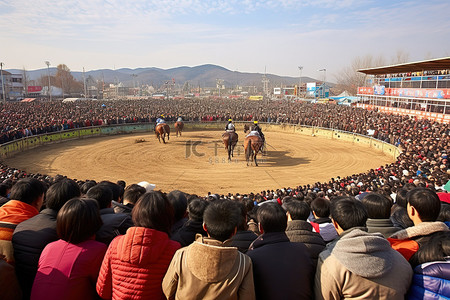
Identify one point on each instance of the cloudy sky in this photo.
(240, 35)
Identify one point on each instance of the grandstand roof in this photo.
(424, 65)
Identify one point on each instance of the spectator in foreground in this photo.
(243, 237)
(322, 223)
(209, 268)
(68, 268)
(9, 287)
(179, 203)
(379, 212)
(135, 263)
(187, 233)
(281, 269)
(27, 198)
(31, 236)
(130, 197)
(359, 265)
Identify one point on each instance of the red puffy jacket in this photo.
(135, 264)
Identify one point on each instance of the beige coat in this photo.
(209, 269)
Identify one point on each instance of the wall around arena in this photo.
(11, 148)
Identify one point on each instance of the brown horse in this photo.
(161, 130)
(179, 127)
(230, 140)
(252, 145)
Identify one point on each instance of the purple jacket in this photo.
(431, 281)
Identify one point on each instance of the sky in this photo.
(240, 35)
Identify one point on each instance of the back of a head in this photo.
(400, 198)
(78, 220)
(426, 202)
(153, 210)
(116, 190)
(102, 194)
(298, 210)
(196, 208)
(87, 186)
(272, 217)
(242, 226)
(321, 207)
(221, 219)
(377, 206)
(179, 202)
(348, 213)
(133, 193)
(27, 190)
(60, 192)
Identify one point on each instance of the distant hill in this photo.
(204, 76)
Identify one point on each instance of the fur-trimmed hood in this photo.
(424, 228)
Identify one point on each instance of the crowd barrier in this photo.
(11, 148)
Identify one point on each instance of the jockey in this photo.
(179, 119)
(256, 130)
(230, 126)
(160, 120)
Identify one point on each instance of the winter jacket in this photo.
(408, 241)
(361, 265)
(135, 264)
(120, 208)
(383, 226)
(300, 231)
(209, 269)
(325, 228)
(431, 281)
(9, 287)
(186, 235)
(281, 269)
(113, 225)
(243, 239)
(12, 213)
(68, 271)
(29, 240)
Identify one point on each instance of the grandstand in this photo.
(420, 89)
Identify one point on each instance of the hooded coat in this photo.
(299, 231)
(135, 264)
(209, 269)
(361, 265)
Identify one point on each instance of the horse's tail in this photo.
(249, 149)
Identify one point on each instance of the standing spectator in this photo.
(243, 237)
(379, 212)
(281, 269)
(130, 197)
(27, 198)
(186, 234)
(68, 268)
(136, 262)
(179, 203)
(359, 265)
(31, 236)
(209, 268)
(322, 223)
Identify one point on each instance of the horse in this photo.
(179, 127)
(252, 145)
(161, 130)
(230, 140)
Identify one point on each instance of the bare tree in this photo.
(25, 81)
(400, 57)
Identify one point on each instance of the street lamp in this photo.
(300, 83)
(3, 83)
(48, 75)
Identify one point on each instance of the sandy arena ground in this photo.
(196, 162)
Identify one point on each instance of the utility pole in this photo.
(3, 83)
(84, 81)
(300, 82)
(48, 75)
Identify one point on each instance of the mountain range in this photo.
(204, 76)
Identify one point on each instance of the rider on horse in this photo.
(160, 120)
(256, 130)
(179, 119)
(230, 126)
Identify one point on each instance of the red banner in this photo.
(34, 89)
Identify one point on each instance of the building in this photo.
(420, 89)
(13, 85)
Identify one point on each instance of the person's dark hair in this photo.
(348, 212)
(179, 202)
(133, 193)
(272, 217)
(27, 190)
(221, 218)
(400, 198)
(249, 204)
(4, 190)
(401, 219)
(378, 206)
(299, 210)
(444, 214)
(321, 207)
(426, 202)
(153, 210)
(437, 248)
(242, 226)
(196, 208)
(78, 220)
(87, 186)
(102, 194)
(60, 192)
(115, 189)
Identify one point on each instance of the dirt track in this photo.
(291, 160)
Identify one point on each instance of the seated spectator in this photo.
(423, 209)
(86, 186)
(179, 203)
(136, 262)
(320, 208)
(113, 224)
(379, 211)
(281, 269)
(130, 197)
(31, 236)
(399, 215)
(243, 237)
(298, 230)
(68, 268)
(359, 265)
(210, 268)
(9, 287)
(186, 235)
(27, 198)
